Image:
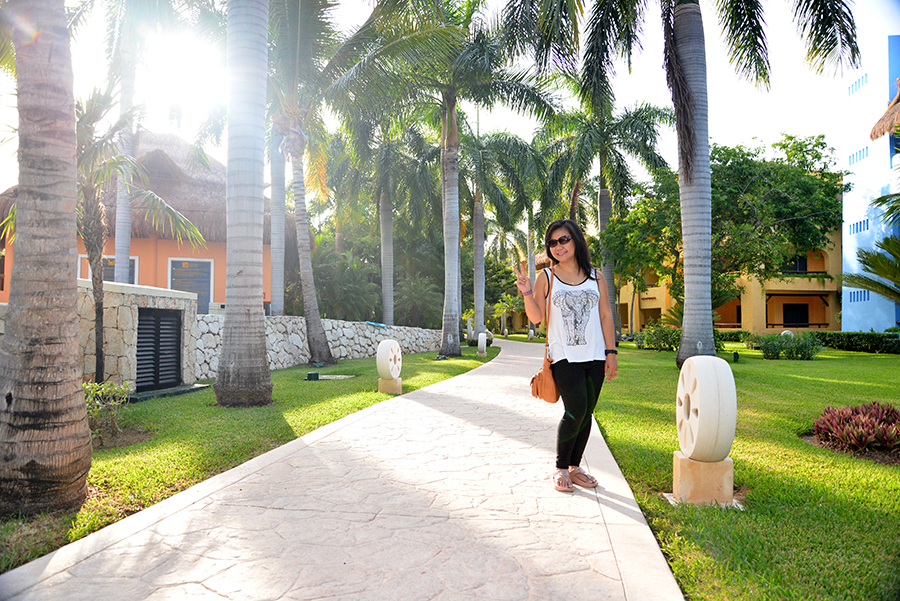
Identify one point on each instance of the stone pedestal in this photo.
(702, 482)
(394, 386)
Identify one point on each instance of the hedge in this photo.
(864, 342)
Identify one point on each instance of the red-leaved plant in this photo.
(873, 426)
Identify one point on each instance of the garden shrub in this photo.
(659, 337)
(732, 335)
(750, 340)
(103, 402)
(865, 342)
(771, 345)
(864, 427)
(803, 347)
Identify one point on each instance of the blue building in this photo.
(874, 164)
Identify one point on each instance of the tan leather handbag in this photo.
(543, 386)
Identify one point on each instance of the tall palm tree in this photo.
(491, 166)
(99, 162)
(243, 377)
(128, 24)
(476, 71)
(577, 140)
(312, 64)
(613, 29)
(276, 210)
(881, 270)
(45, 442)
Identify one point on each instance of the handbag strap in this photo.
(547, 313)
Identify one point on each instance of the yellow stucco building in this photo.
(807, 297)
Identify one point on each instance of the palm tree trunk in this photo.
(276, 235)
(93, 234)
(478, 259)
(604, 210)
(45, 442)
(243, 378)
(123, 187)
(573, 200)
(696, 194)
(386, 216)
(450, 343)
(319, 351)
(531, 266)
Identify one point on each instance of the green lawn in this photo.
(816, 524)
(194, 439)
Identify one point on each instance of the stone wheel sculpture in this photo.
(706, 409)
(389, 360)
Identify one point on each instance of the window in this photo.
(798, 265)
(796, 314)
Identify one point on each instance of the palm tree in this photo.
(613, 29)
(311, 65)
(881, 270)
(45, 442)
(276, 208)
(491, 164)
(578, 139)
(99, 162)
(477, 71)
(243, 377)
(129, 23)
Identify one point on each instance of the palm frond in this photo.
(164, 218)
(829, 32)
(744, 26)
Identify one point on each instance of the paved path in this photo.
(440, 494)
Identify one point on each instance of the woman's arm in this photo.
(534, 295)
(609, 328)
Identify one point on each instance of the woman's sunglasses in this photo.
(560, 240)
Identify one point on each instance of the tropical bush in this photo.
(803, 347)
(103, 402)
(864, 427)
(418, 302)
(865, 342)
(658, 337)
(771, 345)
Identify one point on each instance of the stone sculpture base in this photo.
(390, 386)
(701, 482)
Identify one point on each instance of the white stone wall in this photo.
(286, 341)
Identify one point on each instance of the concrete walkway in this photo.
(441, 494)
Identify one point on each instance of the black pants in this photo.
(579, 386)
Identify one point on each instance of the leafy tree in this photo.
(764, 212)
(418, 302)
(345, 285)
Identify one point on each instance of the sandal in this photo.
(561, 481)
(582, 478)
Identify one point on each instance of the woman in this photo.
(582, 342)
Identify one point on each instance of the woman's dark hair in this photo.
(582, 256)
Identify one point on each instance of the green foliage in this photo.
(103, 402)
(764, 212)
(417, 302)
(771, 345)
(865, 342)
(881, 269)
(800, 347)
(658, 337)
(732, 335)
(860, 428)
(346, 287)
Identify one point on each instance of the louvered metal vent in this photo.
(158, 349)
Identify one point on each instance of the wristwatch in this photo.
(611, 351)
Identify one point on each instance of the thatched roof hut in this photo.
(889, 121)
(199, 194)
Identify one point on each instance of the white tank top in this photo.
(575, 333)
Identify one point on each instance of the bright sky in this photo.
(184, 72)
